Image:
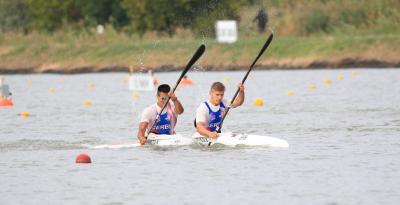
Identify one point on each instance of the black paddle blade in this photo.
(195, 57)
(266, 44)
(193, 60)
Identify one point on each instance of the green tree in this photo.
(50, 15)
(206, 12)
(13, 15)
(157, 15)
(166, 16)
(103, 12)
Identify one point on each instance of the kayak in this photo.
(152, 139)
(167, 140)
(233, 139)
(225, 138)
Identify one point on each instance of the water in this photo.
(344, 142)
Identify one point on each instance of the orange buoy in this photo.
(5, 102)
(83, 158)
(155, 81)
(186, 81)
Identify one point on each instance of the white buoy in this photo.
(141, 82)
(4, 89)
(1, 86)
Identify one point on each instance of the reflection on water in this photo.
(343, 137)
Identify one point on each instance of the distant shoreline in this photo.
(66, 54)
(347, 63)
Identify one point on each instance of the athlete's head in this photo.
(162, 93)
(217, 91)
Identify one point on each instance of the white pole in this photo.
(1, 86)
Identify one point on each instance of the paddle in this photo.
(271, 36)
(195, 57)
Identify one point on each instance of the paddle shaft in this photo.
(195, 57)
(267, 43)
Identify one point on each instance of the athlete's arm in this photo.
(177, 104)
(240, 97)
(201, 128)
(141, 132)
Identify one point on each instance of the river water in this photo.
(344, 141)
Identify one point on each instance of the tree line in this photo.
(287, 17)
(130, 16)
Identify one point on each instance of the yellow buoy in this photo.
(340, 77)
(125, 80)
(312, 86)
(227, 79)
(24, 114)
(88, 102)
(353, 72)
(135, 95)
(52, 90)
(290, 93)
(258, 102)
(91, 85)
(61, 79)
(328, 81)
(29, 82)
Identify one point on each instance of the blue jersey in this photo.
(215, 117)
(163, 125)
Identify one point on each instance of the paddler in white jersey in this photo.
(166, 121)
(209, 114)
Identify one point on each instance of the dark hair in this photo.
(217, 86)
(163, 88)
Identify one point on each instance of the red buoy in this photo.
(83, 158)
(5, 102)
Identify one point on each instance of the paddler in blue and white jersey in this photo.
(167, 120)
(209, 114)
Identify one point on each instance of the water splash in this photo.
(35, 145)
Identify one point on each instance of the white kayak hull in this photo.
(168, 140)
(232, 139)
(152, 139)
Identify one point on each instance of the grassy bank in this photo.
(308, 34)
(84, 53)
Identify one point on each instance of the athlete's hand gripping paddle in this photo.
(267, 43)
(193, 60)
